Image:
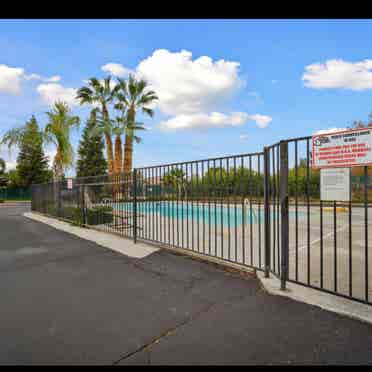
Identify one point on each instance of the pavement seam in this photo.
(170, 331)
(166, 333)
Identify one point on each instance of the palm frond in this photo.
(148, 111)
(13, 137)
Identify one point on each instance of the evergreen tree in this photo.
(91, 161)
(32, 164)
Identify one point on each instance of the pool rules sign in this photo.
(335, 153)
(335, 184)
(342, 149)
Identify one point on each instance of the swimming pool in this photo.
(215, 214)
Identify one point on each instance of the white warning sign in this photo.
(335, 184)
(69, 183)
(342, 149)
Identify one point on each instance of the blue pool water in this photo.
(214, 214)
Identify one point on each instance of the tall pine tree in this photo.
(32, 164)
(91, 161)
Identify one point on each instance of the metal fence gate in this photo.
(260, 210)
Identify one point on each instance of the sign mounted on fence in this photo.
(335, 184)
(342, 149)
(69, 183)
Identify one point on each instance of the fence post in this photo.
(59, 201)
(83, 205)
(267, 210)
(135, 205)
(283, 191)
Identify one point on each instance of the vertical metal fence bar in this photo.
(321, 245)
(215, 206)
(203, 202)
(278, 228)
(210, 195)
(267, 210)
(275, 215)
(258, 195)
(284, 212)
(308, 208)
(250, 208)
(350, 255)
(242, 191)
(366, 277)
(296, 209)
(221, 207)
(335, 245)
(187, 207)
(192, 179)
(228, 176)
(197, 204)
(135, 205)
(235, 211)
(182, 206)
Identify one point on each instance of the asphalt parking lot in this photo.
(65, 300)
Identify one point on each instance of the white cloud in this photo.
(10, 79)
(187, 86)
(262, 121)
(329, 130)
(55, 92)
(116, 69)
(53, 79)
(192, 91)
(337, 73)
(33, 77)
(212, 120)
(243, 136)
(201, 120)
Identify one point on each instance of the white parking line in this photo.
(319, 239)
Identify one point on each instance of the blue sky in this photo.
(208, 107)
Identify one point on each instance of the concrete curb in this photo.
(113, 242)
(326, 301)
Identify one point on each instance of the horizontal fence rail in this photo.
(260, 210)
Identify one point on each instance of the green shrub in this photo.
(99, 215)
(1, 200)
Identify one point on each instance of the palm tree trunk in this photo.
(57, 178)
(118, 155)
(57, 168)
(128, 154)
(118, 161)
(109, 152)
(128, 151)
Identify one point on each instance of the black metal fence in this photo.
(260, 210)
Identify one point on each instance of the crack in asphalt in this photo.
(166, 333)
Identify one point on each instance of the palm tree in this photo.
(57, 132)
(13, 137)
(176, 179)
(103, 94)
(118, 130)
(133, 96)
